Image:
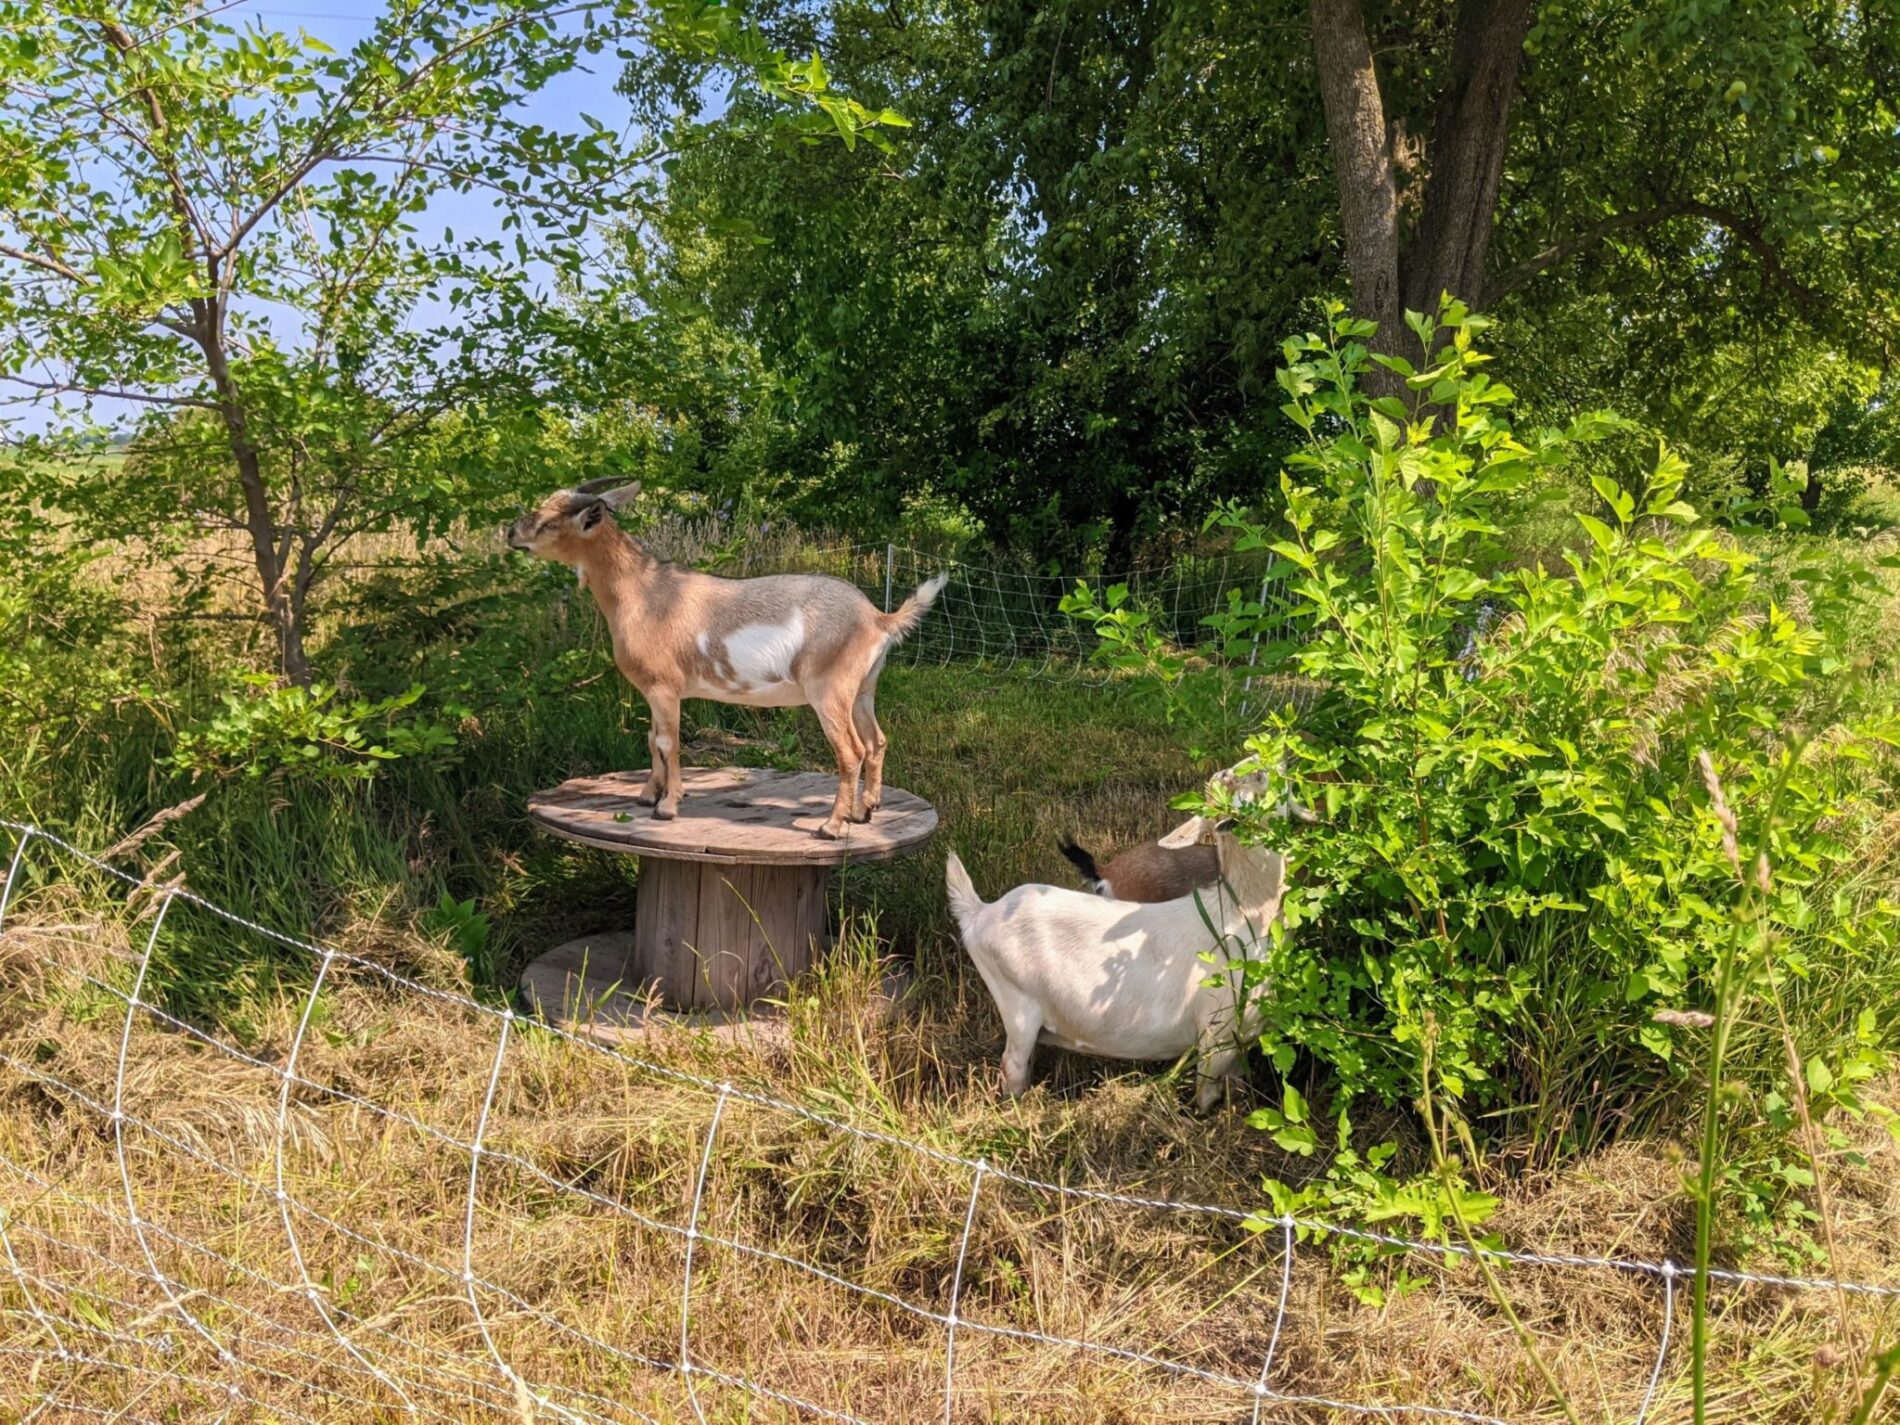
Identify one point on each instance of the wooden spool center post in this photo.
(732, 893)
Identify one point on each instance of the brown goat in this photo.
(783, 640)
(1148, 872)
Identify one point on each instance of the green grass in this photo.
(1012, 765)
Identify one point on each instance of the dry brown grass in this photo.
(586, 1289)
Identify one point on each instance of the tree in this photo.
(1494, 141)
(1060, 300)
(217, 223)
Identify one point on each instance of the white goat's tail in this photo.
(899, 623)
(965, 903)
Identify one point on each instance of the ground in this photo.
(593, 1165)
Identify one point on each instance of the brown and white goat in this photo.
(1148, 872)
(782, 640)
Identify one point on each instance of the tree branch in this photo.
(329, 128)
(67, 388)
(1806, 299)
(1512, 278)
(49, 264)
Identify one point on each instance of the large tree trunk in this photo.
(1471, 134)
(1463, 168)
(1362, 164)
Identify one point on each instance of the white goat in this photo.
(1126, 980)
(784, 640)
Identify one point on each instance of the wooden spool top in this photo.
(739, 816)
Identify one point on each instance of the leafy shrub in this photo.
(465, 930)
(65, 655)
(266, 729)
(1515, 865)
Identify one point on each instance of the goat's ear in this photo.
(1188, 833)
(616, 499)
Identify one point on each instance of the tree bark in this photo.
(1362, 164)
(1391, 272)
(1471, 135)
(282, 602)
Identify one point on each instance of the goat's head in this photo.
(1233, 791)
(1254, 877)
(563, 525)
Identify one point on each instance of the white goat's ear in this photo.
(617, 499)
(1189, 833)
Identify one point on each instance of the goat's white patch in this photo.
(663, 742)
(762, 653)
(705, 648)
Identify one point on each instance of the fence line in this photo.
(380, 1366)
(1009, 618)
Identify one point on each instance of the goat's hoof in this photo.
(645, 799)
(665, 813)
(863, 818)
(830, 831)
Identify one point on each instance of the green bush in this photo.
(1515, 890)
(266, 729)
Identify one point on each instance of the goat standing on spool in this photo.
(782, 640)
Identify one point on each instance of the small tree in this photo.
(216, 222)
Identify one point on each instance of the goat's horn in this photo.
(594, 487)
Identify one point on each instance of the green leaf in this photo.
(1820, 1077)
(1602, 534)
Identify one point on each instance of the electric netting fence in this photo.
(1009, 618)
(116, 1304)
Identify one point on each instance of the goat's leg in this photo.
(1022, 1023)
(1216, 1069)
(665, 708)
(864, 719)
(834, 714)
(1218, 1063)
(650, 789)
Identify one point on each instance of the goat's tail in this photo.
(965, 903)
(910, 613)
(1084, 863)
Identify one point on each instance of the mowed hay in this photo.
(825, 1260)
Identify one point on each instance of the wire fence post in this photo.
(956, 1292)
(1662, 1350)
(13, 875)
(468, 1211)
(286, 1077)
(692, 1239)
(1261, 1389)
(1253, 651)
(132, 1006)
(890, 560)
